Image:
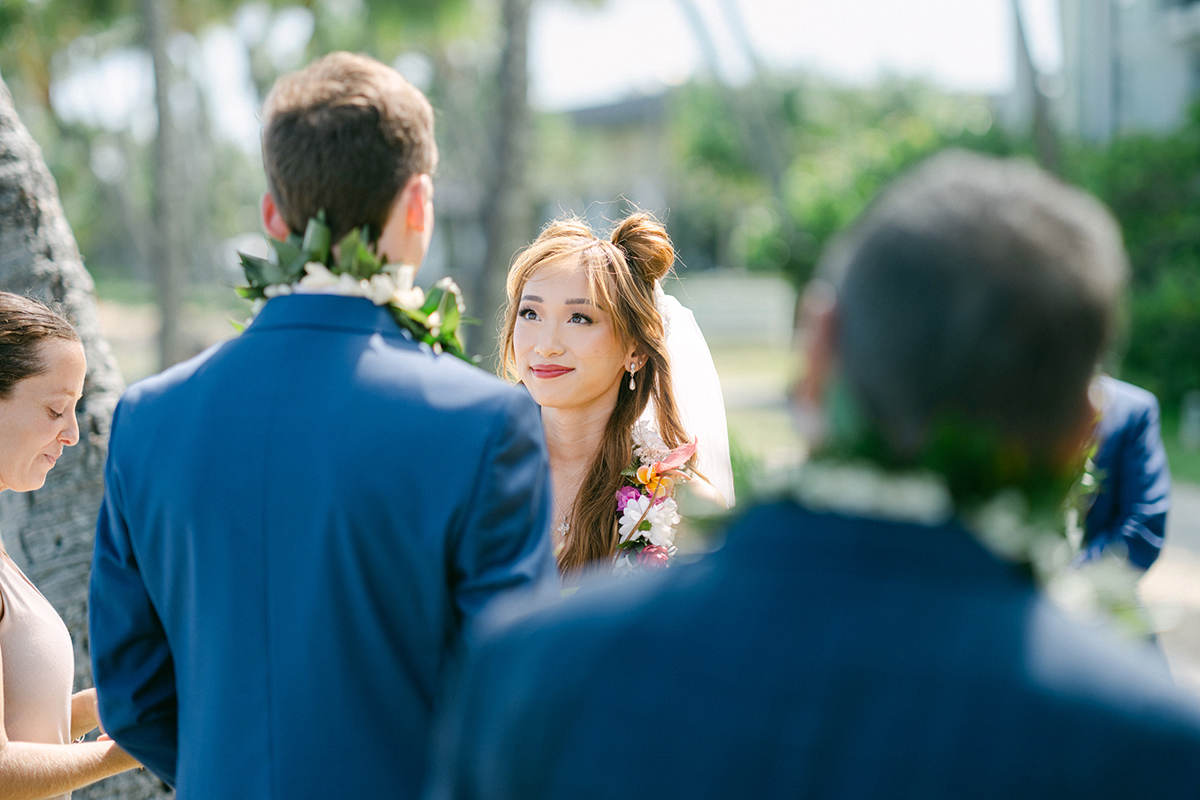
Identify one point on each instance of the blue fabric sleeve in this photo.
(131, 661)
(503, 543)
(1143, 494)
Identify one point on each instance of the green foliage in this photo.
(1152, 184)
(844, 145)
(433, 318)
(1185, 464)
(841, 146)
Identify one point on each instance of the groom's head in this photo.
(350, 136)
(974, 290)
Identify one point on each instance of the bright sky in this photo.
(585, 53)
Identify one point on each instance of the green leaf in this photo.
(317, 239)
(348, 252)
(249, 292)
(286, 261)
(450, 313)
(366, 263)
(285, 252)
(256, 270)
(238, 326)
(433, 299)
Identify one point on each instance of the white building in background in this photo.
(1128, 65)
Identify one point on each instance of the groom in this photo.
(299, 524)
(857, 640)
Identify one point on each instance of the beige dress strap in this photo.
(38, 662)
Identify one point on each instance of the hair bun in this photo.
(646, 245)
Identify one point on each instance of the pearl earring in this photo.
(632, 385)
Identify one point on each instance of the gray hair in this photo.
(979, 288)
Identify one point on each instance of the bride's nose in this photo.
(548, 343)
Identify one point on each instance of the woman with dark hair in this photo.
(42, 369)
(629, 395)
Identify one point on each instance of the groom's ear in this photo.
(272, 219)
(816, 344)
(417, 198)
(409, 226)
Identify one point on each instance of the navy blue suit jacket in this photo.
(1130, 509)
(817, 656)
(297, 526)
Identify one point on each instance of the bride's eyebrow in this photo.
(574, 301)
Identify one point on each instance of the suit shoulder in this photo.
(1104, 677)
(457, 385)
(155, 386)
(1127, 399)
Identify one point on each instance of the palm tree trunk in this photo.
(1045, 142)
(168, 244)
(508, 214)
(49, 532)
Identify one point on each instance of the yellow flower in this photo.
(647, 474)
(658, 485)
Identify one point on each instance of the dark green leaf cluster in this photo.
(436, 322)
(976, 461)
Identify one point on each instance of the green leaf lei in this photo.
(353, 268)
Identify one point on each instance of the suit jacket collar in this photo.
(789, 536)
(327, 312)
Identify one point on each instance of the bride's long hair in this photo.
(621, 272)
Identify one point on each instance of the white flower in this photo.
(405, 274)
(451, 288)
(410, 299)
(624, 566)
(349, 286)
(318, 276)
(320, 280)
(663, 518)
(277, 290)
(864, 490)
(406, 295)
(381, 288)
(648, 446)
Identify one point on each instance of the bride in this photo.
(630, 401)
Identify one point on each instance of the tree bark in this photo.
(508, 214)
(49, 532)
(1045, 142)
(169, 243)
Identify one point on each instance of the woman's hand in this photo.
(85, 713)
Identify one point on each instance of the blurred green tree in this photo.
(1152, 184)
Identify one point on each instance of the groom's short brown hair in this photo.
(344, 135)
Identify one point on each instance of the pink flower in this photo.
(653, 557)
(624, 495)
(677, 457)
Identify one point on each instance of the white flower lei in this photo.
(1004, 525)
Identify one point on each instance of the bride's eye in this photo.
(583, 318)
(527, 313)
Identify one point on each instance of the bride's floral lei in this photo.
(648, 516)
(311, 265)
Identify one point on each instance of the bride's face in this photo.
(567, 352)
